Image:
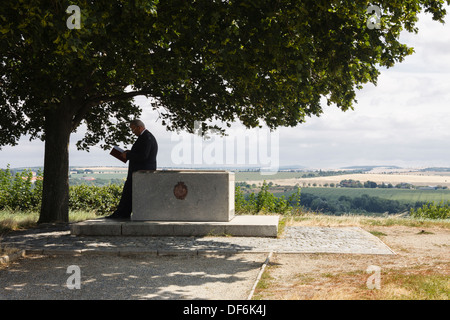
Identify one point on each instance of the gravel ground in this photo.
(219, 277)
(221, 268)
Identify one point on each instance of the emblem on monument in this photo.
(180, 191)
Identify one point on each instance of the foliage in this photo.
(103, 199)
(17, 192)
(266, 202)
(253, 61)
(346, 204)
(246, 60)
(239, 200)
(432, 211)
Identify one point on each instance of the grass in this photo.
(419, 284)
(17, 220)
(360, 220)
(426, 280)
(10, 220)
(378, 233)
(396, 284)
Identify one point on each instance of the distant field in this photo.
(404, 195)
(106, 176)
(293, 178)
(249, 176)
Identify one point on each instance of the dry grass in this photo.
(419, 283)
(419, 271)
(312, 219)
(10, 220)
(398, 284)
(16, 220)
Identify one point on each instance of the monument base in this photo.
(239, 226)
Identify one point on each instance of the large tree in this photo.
(253, 61)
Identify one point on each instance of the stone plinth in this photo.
(183, 195)
(182, 203)
(239, 226)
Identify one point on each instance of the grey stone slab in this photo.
(183, 195)
(98, 227)
(198, 229)
(147, 229)
(251, 226)
(243, 226)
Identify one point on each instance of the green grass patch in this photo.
(402, 195)
(415, 285)
(378, 233)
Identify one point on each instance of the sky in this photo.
(403, 121)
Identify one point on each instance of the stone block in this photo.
(239, 226)
(144, 228)
(99, 227)
(253, 226)
(183, 195)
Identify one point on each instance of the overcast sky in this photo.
(403, 121)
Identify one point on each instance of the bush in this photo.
(17, 191)
(102, 200)
(265, 201)
(432, 211)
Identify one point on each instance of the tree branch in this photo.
(91, 102)
(122, 96)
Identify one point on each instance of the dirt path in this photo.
(419, 270)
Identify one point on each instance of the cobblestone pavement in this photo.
(298, 239)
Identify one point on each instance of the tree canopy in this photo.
(263, 61)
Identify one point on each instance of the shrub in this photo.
(432, 211)
(102, 200)
(17, 191)
(265, 201)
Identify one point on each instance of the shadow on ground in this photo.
(132, 277)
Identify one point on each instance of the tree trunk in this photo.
(55, 188)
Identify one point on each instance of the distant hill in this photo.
(368, 168)
(438, 169)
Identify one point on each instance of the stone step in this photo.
(239, 226)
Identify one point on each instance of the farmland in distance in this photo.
(403, 195)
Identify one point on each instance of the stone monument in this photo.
(182, 203)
